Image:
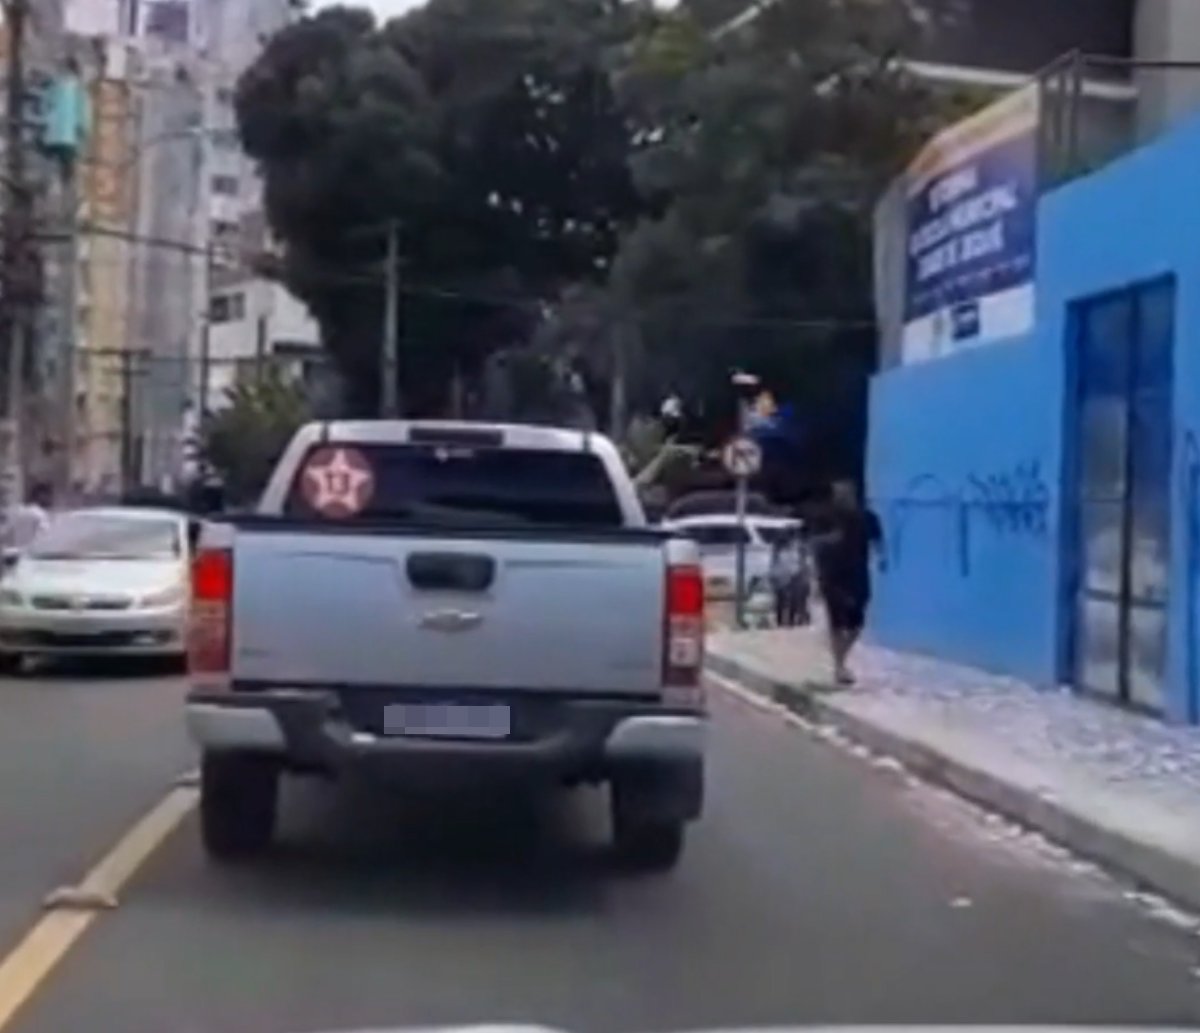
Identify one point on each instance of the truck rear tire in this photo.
(650, 807)
(239, 795)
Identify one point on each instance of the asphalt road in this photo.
(820, 888)
(83, 752)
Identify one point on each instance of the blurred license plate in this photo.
(448, 720)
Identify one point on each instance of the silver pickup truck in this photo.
(439, 601)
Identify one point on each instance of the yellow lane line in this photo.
(45, 945)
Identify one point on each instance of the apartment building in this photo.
(252, 322)
(105, 251)
(31, 434)
(180, 221)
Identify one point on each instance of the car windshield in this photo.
(716, 536)
(105, 536)
(773, 534)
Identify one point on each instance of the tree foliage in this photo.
(242, 441)
(767, 151)
(485, 129)
(636, 194)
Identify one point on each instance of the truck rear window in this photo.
(460, 485)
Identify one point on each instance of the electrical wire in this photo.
(528, 302)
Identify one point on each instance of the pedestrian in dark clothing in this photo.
(847, 534)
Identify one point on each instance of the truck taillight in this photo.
(683, 648)
(209, 619)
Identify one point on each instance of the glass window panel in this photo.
(1147, 655)
(1097, 667)
(1155, 337)
(1150, 500)
(1105, 346)
(1103, 441)
(1100, 528)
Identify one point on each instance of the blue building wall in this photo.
(965, 459)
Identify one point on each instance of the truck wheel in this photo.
(647, 820)
(239, 795)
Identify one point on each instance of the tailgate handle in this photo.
(450, 572)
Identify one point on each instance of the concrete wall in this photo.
(954, 445)
(1166, 30)
(965, 463)
(286, 329)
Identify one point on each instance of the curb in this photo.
(1175, 875)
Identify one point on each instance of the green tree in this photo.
(242, 441)
(761, 156)
(644, 197)
(485, 129)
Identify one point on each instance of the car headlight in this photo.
(164, 597)
(11, 597)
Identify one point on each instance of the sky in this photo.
(382, 8)
(387, 8)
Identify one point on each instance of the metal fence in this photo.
(1096, 109)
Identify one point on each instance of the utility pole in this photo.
(205, 365)
(206, 334)
(743, 460)
(390, 358)
(128, 360)
(260, 350)
(618, 400)
(64, 465)
(15, 285)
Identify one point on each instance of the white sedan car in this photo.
(99, 581)
(718, 535)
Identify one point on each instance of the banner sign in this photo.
(971, 204)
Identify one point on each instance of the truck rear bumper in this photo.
(569, 738)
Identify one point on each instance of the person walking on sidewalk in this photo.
(789, 579)
(844, 542)
(23, 523)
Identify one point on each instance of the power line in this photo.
(535, 303)
(116, 355)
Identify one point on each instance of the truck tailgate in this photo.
(464, 612)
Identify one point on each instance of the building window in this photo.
(227, 308)
(222, 231)
(227, 186)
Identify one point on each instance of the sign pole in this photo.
(740, 561)
(743, 459)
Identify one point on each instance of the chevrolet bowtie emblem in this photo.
(451, 620)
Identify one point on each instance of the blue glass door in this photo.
(1122, 441)
(1149, 521)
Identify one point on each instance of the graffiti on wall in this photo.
(1012, 502)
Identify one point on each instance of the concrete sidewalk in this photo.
(1117, 787)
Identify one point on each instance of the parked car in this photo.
(434, 600)
(102, 580)
(718, 535)
(716, 503)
